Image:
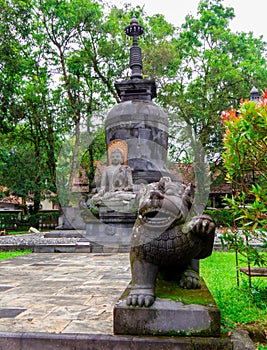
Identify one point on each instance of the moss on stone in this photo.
(171, 290)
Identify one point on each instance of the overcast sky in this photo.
(250, 15)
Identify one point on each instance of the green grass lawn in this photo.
(239, 307)
(8, 255)
(25, 232)
(17, 232)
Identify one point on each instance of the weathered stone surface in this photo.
(62, 240)
(71, 219)
(64, 234)
(241, 341)
(169, 317)
(116, 218)
(10, 312)
(60, 292)
(222, 343)
(109, 235)
(116, 188)
(144, 126)
(146, 112)
(4, 288)
(167, 239)
(44, 341)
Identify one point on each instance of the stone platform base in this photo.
(109, 235)
(193, 313)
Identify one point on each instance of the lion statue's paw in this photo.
(190, 280)
(140, 299)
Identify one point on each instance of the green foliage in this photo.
(12, 221)
(222, 217)
(245, 146)
(55, 73)
(19, 170)
(246, 166)
(239, 306)
(212, 68)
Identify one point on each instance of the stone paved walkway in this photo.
(61, 293)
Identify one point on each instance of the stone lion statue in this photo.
(167, 239)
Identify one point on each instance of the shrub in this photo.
(245, 143)
(15, 221)
(222, 217)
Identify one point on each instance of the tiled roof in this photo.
(187, 174)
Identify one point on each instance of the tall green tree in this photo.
(208, 68)
(202, 68)
(60, 60)
(20, 173)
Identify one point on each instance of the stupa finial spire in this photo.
(136, 88)
(134, 30)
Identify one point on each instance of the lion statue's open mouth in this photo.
(162, 204)
(157, 218)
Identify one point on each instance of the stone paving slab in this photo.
(61, 293)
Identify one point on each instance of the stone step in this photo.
(49, 341)
(84, 247)
(65, 234)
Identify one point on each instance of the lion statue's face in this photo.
(163, 203)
